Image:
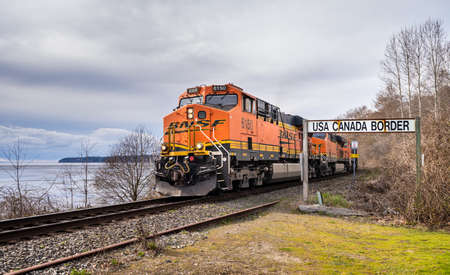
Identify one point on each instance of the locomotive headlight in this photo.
(199, 146)
(190, 113)
(164, 148)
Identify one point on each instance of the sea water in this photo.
(39, 177)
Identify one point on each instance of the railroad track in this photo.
(28, 227)
(134, 240)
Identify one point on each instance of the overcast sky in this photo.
(76, 69)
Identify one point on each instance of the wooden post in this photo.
(305, 160)
(418, 153)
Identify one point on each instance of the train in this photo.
(222, 138)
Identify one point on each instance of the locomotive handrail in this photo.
(214, 136)
(170, 130)
(212, 142)
(228, 153)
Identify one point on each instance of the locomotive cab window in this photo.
(274, 115)
(332, 137)
(225, 101)
(261, 105)
(190, 100)
(247, 104)
(319, 135)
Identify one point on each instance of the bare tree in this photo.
(127, 174)
(419, 57)
(392, 67)
(67, 180)
(85, 150)
(16, 157)
(406, 50)
(435, 46)
(418, 61)
(18, 200)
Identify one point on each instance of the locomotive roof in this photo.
(230, 87)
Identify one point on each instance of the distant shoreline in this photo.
(105, 159)
(82, 160)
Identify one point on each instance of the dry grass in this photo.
(12, 205)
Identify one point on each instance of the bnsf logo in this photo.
(202, 123)
(287, 135)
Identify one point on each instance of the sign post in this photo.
(354, 148)
(305, 160)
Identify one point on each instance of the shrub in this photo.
(428, 202)
(14, 205)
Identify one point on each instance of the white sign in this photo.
(354, 144)
(362, 126)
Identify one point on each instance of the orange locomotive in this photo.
(326, 151)
(222, 138)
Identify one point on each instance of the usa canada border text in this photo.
(403, 125)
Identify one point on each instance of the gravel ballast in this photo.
(40, 250)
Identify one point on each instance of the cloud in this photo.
(45, 144)
(77, 66)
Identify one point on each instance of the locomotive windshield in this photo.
(190, 100)
(319, 135)
(226, 101)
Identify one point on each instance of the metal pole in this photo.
(354, 170)
(418, 153)
(305, 160)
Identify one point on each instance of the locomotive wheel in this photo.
(318, 172)
(348, 168)
(252, 183)
(236, 185)
(333, 169)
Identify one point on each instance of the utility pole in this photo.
(418, 153)
(305, 160)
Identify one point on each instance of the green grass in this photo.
(335, 200)
(350, 248)
(79, 272)
(332, 200)
(152, 245)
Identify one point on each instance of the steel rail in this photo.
(52, 217)
(131, 241)
(43, 229)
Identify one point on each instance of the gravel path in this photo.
(40, 250)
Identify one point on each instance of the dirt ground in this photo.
(283, 241)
